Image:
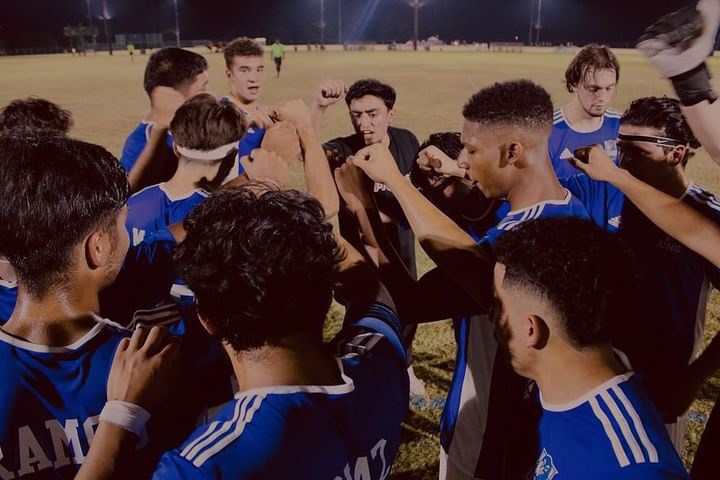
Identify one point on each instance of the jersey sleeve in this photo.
(174, 467)
(651, 471)
(378, 318)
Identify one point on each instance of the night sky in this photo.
(579, 21)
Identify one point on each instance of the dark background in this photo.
(34, 23)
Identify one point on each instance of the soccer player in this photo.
(505, 132)
(278, 54)
(245, 71)
(205, 136)
(592, 79)
(301, 412)
(560, 285)
(172, 75)
(35, 113)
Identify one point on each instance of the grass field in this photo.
(106, 98)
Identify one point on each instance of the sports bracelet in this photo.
(127, 416)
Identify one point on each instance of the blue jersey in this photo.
(675, 281)
(468, 429)
(135, 143)
(154, 208)
(51, 398)
(564, 140)
(8, 296)
(613, 432)
(346, 431)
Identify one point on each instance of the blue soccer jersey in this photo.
(465, 422)
(251, 140)
(345, 431)
(154, 208)
(613, 432)
(8, 296)
(564, 140)
(135, 143)
(51, 398)
(675, 281)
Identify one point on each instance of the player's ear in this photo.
(391, 115)
(175, 149)
(677, 155)
(206, 325)
(513, 153)
(228, 73)
(98, 248)
(537, 332)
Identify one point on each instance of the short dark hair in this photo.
(205, 123)
(586, 274)
(449, 143)
(173, 67)
(590, 57)
(241, 47)
(520, 103)
(36, 113)
(262, 265)
(55, 190)
(376, 88)
(664, 114)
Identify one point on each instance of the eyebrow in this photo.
(364, 111)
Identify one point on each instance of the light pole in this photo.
(416, 4)
(92, 29)
(340, 40)
(106, 19)
(177, 25)
(532, 20)
(322, 24)
(538, 26)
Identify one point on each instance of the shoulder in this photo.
(147, 192)
(704, 201)
(559, 119)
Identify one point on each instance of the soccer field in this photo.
(105, 95)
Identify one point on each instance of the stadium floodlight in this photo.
(177, 24)
(91, 26)
(416, 5)
(538, 25)
(532, 21)
(322, 24)
(106, 19)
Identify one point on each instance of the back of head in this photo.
(241, 47)
(516, 103)
(261, 265)
(36, 113)
(663, 114)
(173, 67)
(376, 88)
(590, 58)
(55, 190)
(584, 274)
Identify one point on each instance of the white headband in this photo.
(215, 154)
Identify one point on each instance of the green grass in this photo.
(106, 97)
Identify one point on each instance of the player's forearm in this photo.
(704, 120)
(317, 113)
(359, 285)
(147, 168)
(318, 177)
(109, 454)
(672, 216)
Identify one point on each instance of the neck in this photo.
(301, 364)
(579, 119)
(60, 317)
(569, 374)
(248, 106)
(538, 183)
(187, 175)
(671, 180)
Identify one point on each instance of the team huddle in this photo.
(161, 315)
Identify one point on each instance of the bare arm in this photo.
(328, 93)
(704, 120)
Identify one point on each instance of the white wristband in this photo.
(128, 416)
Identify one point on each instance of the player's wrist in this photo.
(693, 86)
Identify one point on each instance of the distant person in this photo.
(592, 79)
(131, 52)
(278, 54)
(172, 75)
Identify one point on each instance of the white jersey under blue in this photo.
(465, 423)
(342, 432)
(564, 139)
(612, 431)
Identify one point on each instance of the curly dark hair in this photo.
(173, 67)
(376, 88)
(586, 274)
(262, 265)
(665, 115)
(55, 190)
(519, 103)
(241, 47)
(591, 57)
(205, 123)
(37, 113)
